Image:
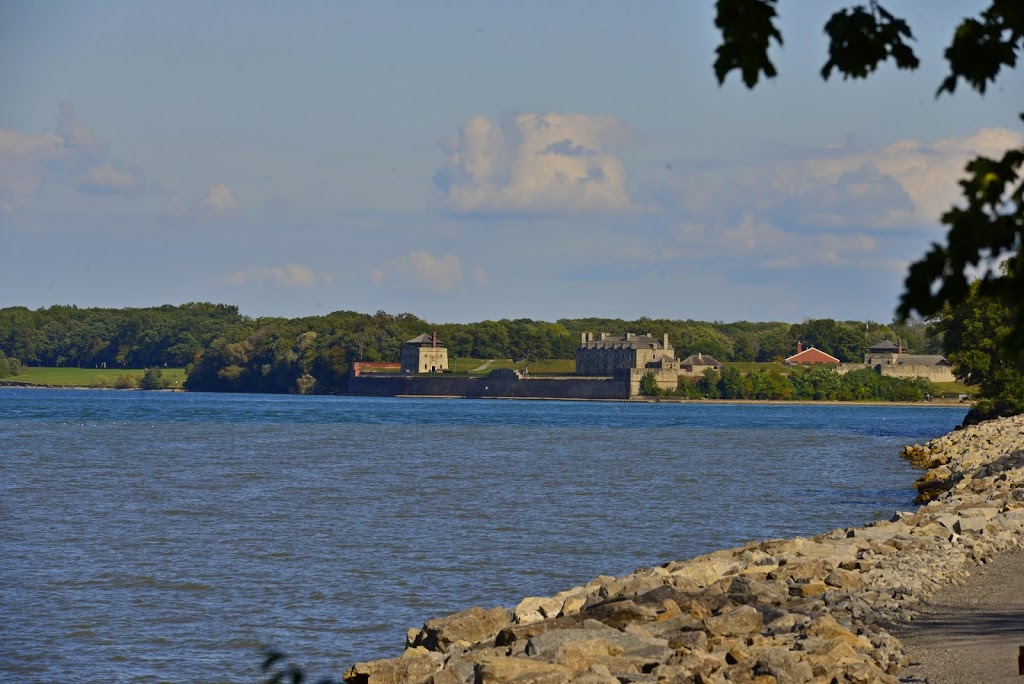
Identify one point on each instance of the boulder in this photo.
(474, 626)
(496, 670)
(734, 622)
(536, 608)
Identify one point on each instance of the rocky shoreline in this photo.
(818, 609)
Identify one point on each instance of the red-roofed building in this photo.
(810, 355)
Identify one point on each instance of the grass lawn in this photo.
(754, 366)
(955, 388)
(542, 366)
(87, 377)
(536, 367)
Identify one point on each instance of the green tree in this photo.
(153, 379)
(732, 384)
(687, 388)
(815, 384)
(649, 386)
(986, 229)
(709, 383)
(974, 337)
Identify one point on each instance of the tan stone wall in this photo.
(666, 379)
(932, 373)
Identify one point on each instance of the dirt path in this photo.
(484, 366)
(971, 633)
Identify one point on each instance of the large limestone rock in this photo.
(472, 626)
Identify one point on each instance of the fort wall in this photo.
(500, 383)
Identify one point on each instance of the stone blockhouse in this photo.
(892, 359)
(424, 354)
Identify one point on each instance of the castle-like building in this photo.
(606, 354)
(424, 354)
(629, 358)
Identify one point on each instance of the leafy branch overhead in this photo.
(860, 39)
(986, 234)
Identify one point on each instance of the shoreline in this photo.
(825, 608)
(934, 403)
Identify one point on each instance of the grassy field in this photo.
(540, 366)
(87, 377)
(754, 366)
(955, 388)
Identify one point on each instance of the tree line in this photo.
(178, 336)
(810, 384)
(223, 350)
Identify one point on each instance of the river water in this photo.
(166, 537)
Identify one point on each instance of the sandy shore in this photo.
(970, 633)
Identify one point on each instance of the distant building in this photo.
(890, 358)
(629, 357)
(810, 356)
(696, 364)
(606, 354)
(424, 354)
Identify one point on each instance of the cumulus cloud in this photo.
(535, 163)
(421, 269)
(220, 201)
(905, 185)
(69, 154)
(290, 276)
(105, 179)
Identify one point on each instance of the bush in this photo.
(153, 379)
(649, 386)
(126, 382)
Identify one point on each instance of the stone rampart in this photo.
(932, 373)
(498, 384)
(816, 609)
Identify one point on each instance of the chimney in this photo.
(664, 341)
(899, 345)
(433, 339)
(700, 356)
(799, 346)
(583, 338)
(604, 336)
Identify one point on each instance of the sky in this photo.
(465, 161)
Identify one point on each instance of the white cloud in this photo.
(220, 201)
(535, 163)
(290, 276)
(422, 269)
(106, 179)
(905, 185)
(70, 154)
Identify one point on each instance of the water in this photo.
(152, 537)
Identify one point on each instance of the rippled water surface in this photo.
(151, 537)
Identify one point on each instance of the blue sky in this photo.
(469, 160)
